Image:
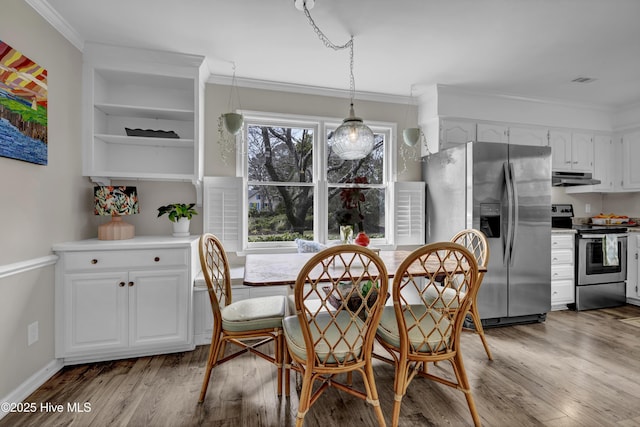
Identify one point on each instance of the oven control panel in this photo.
(562, 210)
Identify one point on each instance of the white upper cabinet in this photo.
(521, 135)
(492, 133)
(582, 152)
(449, 132)
(142, 91)
(571, 152)
(630, 156)
(603, 162)
(560, 143)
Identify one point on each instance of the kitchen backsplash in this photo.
(618, 203)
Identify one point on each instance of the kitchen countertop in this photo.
(564, 230)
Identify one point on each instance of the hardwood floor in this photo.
(575, 369)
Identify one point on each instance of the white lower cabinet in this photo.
(562, 270)
(633, 268)
(116, 299)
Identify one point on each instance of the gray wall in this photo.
(40, 205)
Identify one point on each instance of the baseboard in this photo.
(31, 384)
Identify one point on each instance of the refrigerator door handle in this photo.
(508, 246)
(516, 213)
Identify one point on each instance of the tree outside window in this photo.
(281, 184)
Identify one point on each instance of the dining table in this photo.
(277, 269)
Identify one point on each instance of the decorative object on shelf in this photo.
(230, 122)
(352, 140)
(362, 239)
(23, 107)
(115, 202)
(180, 215)
(150, 133)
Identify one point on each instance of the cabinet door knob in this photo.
(94, 261)
(130, 284)
(156, 259)
(121, 284)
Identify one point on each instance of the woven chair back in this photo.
(350, 284)
(432, 291)
(215, 267)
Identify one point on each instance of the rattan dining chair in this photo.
(418, 328)
(476, 242)
(336, 335)
(256, 319)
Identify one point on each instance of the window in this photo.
(296, 187)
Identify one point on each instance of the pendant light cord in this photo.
(328, 43)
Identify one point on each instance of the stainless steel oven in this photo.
(600, 285)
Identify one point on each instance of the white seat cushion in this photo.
(332, 337)
(254, 314)
(425, 338)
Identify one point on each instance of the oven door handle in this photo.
(601, 236)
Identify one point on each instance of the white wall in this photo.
(40, 205)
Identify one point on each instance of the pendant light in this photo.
(352, 140)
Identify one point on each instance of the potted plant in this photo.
(180, 215)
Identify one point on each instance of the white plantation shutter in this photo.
(410, 213)
(222, 206)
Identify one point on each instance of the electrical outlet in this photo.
(32, 333)
(587, 208)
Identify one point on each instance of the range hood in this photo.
(569, 179)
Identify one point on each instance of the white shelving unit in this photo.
(143, 89)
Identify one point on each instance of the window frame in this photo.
(320, 185)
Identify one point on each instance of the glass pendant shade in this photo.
(352, 140)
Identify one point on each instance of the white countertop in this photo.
(139, 242)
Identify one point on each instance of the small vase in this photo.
(346, 234)
(362, 239)
(181, 227)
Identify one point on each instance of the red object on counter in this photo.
(362, 239)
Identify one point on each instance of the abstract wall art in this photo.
(23, 107)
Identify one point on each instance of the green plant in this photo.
(177, 211)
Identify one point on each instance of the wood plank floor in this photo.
(575, 369)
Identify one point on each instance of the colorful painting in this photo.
(23, 107)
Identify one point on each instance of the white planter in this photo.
(181, 227)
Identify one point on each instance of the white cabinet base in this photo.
(120, 299)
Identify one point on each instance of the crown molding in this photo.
(58, 22)
(514, 97)
(307, 90)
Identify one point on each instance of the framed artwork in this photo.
(23, 107)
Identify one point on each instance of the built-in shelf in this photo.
(149, 90)
(146, 112)
(146, 141)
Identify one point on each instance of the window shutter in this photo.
(223, 210)
(410, 213)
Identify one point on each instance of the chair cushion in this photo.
(313, 304)
(254, 313)
(425, 338)
(332, 334)
(447, 296)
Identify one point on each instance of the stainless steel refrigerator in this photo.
(504, 191)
